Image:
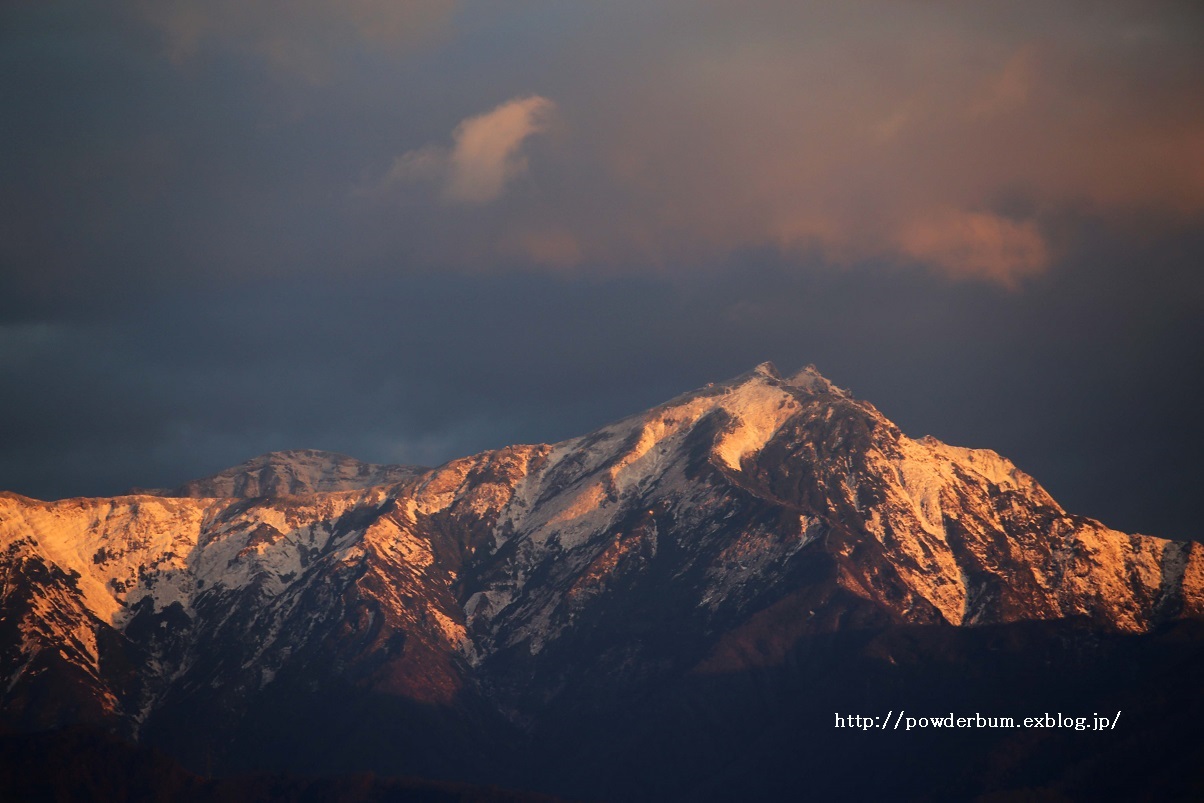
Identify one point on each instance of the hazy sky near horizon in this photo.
(413, 230)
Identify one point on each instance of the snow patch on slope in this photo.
(111, 543)
(759, 409)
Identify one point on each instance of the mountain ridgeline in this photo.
(671, 607)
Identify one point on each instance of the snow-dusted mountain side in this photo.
(447, 620)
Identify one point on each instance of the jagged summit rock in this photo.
(809, 378)
(767, 368)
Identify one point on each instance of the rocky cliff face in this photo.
(709, 535)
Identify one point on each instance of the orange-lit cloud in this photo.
(976, 245)
(486, 152)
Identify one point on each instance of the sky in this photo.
(411, 230)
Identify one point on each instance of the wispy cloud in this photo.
(486, 153)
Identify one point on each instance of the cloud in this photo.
(893, 133)
(688, 133)
(547, 248)
(486, 153)
(423, 164)
(300, 36)
(487, 148)
(976, 245)
(1009, 90)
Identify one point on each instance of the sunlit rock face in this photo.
(708, 535)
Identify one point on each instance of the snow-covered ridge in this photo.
(170, 550)
(721, 495)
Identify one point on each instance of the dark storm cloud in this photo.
(413, 230)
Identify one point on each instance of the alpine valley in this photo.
(678, 606)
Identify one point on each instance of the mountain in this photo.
(291, 473)
(685, 593)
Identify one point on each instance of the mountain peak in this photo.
(806, 378)
(768, 369)
(810, 379)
